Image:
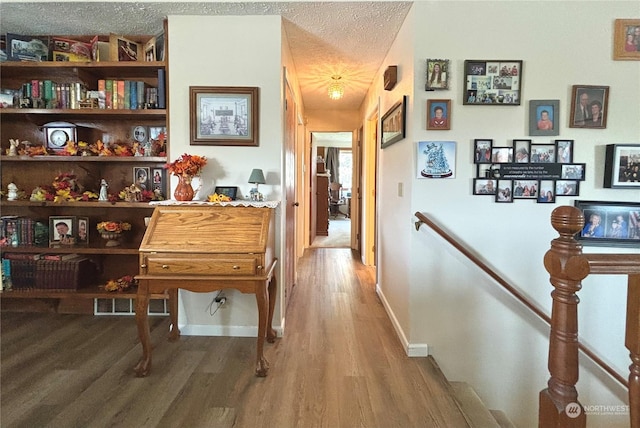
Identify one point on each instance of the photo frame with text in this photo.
(626, 40)
(393, 124)
(224, 115)
(492, 82)
(544, 117)
(437, 74)
(438, 115)
(589, 106)
(622, 166)
(612, 224)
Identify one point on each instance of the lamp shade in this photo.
(257, 177)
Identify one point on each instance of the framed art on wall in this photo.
(437, 74)
(224, 116)
(393, 124)
(610, 223)
(622, 166)
(589, 106)
(492, 82)
(438, 115)
(626, 39)
(436, 159)
(544, 117)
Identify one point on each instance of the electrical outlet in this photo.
(221, 300)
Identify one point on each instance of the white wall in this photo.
(475, 331)
(219, 51)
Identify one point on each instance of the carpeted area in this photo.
(339, 235)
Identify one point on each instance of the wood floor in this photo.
(340, 364)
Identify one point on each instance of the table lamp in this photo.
(257, 178)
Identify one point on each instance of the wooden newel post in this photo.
(559, 405)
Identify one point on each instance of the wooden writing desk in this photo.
(204, 248)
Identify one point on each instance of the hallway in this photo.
(340, 364)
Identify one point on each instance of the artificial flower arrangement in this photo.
(65, 187)
(218, 198)
(187, 165)
(113, 226)
(121, 284)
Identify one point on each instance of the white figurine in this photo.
(13, 149)
(12, 194)
(103, 190)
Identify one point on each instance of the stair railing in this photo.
(568, 266)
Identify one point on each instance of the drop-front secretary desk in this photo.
(203, 247)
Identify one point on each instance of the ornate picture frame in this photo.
(393, 126)
(626, 40)
(492, 82)
(437, 77)
(224, 116)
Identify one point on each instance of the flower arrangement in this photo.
(65, 187)
(113, 226)
(121, 284)
(187, 165)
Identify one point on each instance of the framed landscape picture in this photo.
(492, 82)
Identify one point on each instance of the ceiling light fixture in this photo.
(336, 88)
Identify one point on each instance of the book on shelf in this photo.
(60, 257)
(21, 256)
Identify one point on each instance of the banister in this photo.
(613, 264)
(422, 219)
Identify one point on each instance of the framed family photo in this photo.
(62, 230)
(482, 150)
(437, 74)
(610, 224)
(589, 106)
(224, 116)
(438, 115)
(544, 117)
(626, 39)
(622, 166)
(393, 124)
(492, 82)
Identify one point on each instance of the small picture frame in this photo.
(159, 181)
(482, 186)
(543, 153)
(589, 106)
(83, 231)
(544, 117)
(482, 150)
(438, 115)
(142, 177)
(393, 124)
(573, 171)
(612, 224)
(567, 188)
(62, 230)
(501, 154)
(622, 166)
(525, 189)
(626, 40)
(522, 151)
(504, 192)
(564, 151)
(123, 49)
(230, 191)
(546, 192)
(492, 82)
(224, 115)
(437, 74)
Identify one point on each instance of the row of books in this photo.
(17, 231)
(49, 271)
(48, 94)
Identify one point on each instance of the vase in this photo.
(184, 190)
(113, 238)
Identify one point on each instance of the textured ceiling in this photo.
(326, 38)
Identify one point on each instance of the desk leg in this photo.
(142, 305)
(271, 333)
(262, 299)
(174, 332)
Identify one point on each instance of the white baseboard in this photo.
(222, 330)
(411, 349)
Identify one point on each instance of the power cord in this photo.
(217, 299)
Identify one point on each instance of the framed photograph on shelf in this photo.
(613, 224)
(83, 231)
(393, 124)
(589, 106)
(492, 82)
(626, 37)
(482, 150)
(123, 49)
(437, 74)
(544, 117)
(142, 177)
(62, 230)
(564, 151)
(438, 115)
(159, 181)
(546, 192)
(224, 115)
(230, 191)
(622, 166)
(543, 153)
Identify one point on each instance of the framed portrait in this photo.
(393, 124)
(543, 153)
(501, 154)
(492, 82)
(544, 117)
(504, 192)
(525, 189)
(83, 231)
(62, 230)
(437, 74)
(567, 188)
(224, 116)
(522, 150)
(589, 106)
(142, 177)
(626, 39)
(123, 49)
(482, 150)
(483, 186)
(564, 151)
(573, 171)
(159, 181)
(436, 159)
(546, 192)
(622, 166)
(438, 115)
(610, 224)
(227, 191)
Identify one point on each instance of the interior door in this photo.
(291, 204)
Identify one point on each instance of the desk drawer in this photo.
(227, 264)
